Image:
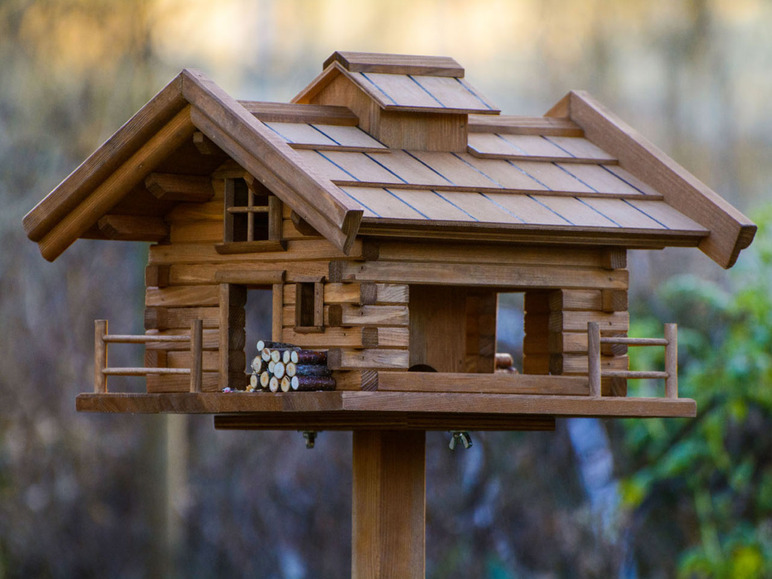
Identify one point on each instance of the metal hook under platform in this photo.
(461, 435)
(310, 437)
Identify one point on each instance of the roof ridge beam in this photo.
(396, 64)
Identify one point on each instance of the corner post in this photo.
(389, 504)
(196, 347)
(671, 360)
(593, 358)
(100, 356)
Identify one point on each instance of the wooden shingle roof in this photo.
(576, 175)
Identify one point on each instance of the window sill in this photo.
(262, 246)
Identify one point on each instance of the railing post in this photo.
(593, 358)
(671, 361)
(100, 356)
(196, 348)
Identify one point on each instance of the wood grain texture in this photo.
(396, 63)
(133, 228)
(491, 383)
(389, 402)
(731, 231)
(389, 504)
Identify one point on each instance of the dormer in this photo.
(419, 103)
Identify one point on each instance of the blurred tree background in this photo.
(142, 496)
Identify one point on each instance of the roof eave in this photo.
(730, 230)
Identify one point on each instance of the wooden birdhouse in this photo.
(384, 211)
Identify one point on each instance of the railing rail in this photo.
(102, 370)
(670, 375)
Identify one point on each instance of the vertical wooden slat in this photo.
(274, 218)
(593, 354)
(276, 313)
(100, 356)
(389, 504)
(671, 361)
(196, 348)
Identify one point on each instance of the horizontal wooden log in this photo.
(182, 359)
(351, 337)
(305, 113)
(636, 374)
(163, 318)
(499, 383)
(195, 212)
(299, 250)
(576, 343)
(360, 294)
(171, 187)
(268, 246)
(349, 315)
(341, 359)
(259, 277)
(570, 321)
(308, 383)
(196, 232)
(143, 371)
(158, 384)
(182, 296)
(157, 276)
(211, 341)
(520, 125)
(479, 253)
(578, 364)
(133, 228)
(366, 380)
(204, 274)
(491, 275)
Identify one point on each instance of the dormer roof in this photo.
(398, 146)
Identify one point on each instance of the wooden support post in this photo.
(100, 356)
(671, 361)
(389, 504)
(196, 347)
(593, 358)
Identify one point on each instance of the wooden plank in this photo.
(157, 384)
(200, 253)
(184, 212)
(205, 273)
(455, 94)
(519, 404)
(295, 113)
(666, 215)
(209, 232)
(576, 212)
(349, 337)
(348, 420)
(133, 228)
(388, 504)
(276, 311)
(352, 315)
(383, 203)
(369, 359)
(353, 137)
(258, 277)
(578, 363)
(438, 327)
(483, 274)
(454, 169)
(582, 148)
(361, 167)
(181, 296)
(399, 129)
(390, 402)
(481, 383)
(115, 186)
(157, 275)
(576, 321)
(300, 133)
(188, 188)
(132, 136)
(503, 173)
(174, 318)
(552, 176)
(599, 179)
(624, 214)
(355, 293)
(731, 231)
(521, 125)
(211, 340)
(396, 63)
(264, 154)
(182, 359)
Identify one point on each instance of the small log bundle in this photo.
(279, 366)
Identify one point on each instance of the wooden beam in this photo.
(389, 504)
(189, 188)
(493, 383)
(513, 125)
(297, 113)
(130, 138)
(115, 186)
(246, 277)
(133, 228)
(730, 230)
(396, 64)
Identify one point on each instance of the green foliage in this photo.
(720, 462)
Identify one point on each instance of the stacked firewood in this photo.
(285, 367)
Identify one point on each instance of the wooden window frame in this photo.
(309, 307)
(254, 188)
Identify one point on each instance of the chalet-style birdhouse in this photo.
(384, 211)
